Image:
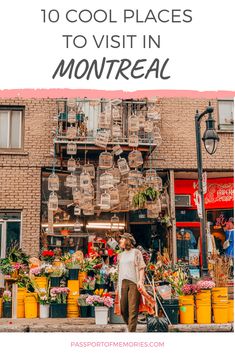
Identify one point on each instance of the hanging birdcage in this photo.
(116, 175)
(102, 138)
(76, 196)
(131, 194)
(123, 190)
(114, 196)
(116, 131)
(135, 159)
(77, 211)
(89, 210)
(53, 182)
(105, 160)
(123, 166)
(133, 177)
(117, 150)
(53, 202)
(105, 201)
(116, 112)
(133, 123)
(85, 180)
(104, 120)
(71, 181)
(141, 118)
(87, 196)
(71, 148)
(157, 141)
(71, 132)
(106, 180)
(72, 111)
(150, 175)
(159, 182)
(114, 221)
(148, 127)
(133, 140)
(89, 168)
(71, 165)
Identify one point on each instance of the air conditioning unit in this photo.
(182, 200)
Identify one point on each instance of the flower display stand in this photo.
(44, 311)
(101, 315)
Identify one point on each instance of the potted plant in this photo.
(84, 306)
(102, 302)
(147, 194)
(7, 304)
(113, 273)
(48, 256)
(58, 307)
(44, 302)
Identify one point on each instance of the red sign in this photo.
(220, 192)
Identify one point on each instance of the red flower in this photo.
(48, 253)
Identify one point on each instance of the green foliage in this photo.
(149, 194)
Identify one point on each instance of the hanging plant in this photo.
(148, 194)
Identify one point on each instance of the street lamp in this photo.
(210, 139)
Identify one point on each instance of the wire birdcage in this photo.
(104, 120)
(135, 159)
(53, 182)
(77, 211)
(71, 132)
(114, 221)
(148, 127)
(72, 111)
(141, 118)
(116, 175)
(85, 180)
(116, 131)
(71, 148)
(102, 138)
(71, 165)
(89, 168)
(123, 166)
(114, 196)
(117, 150)
(76, 196)
(105, 160)
(133, 123)
(53, 202)
(105, 201)
(133, 140)
(71, 181)
(106, 180)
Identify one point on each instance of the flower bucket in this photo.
(220, 313)
(21, 292)
(115, 319)
(41, 282)
(186, 306)
(31, 306)
(230, 310)
(44, 311)
(219, 291)
(203, 313)
(72, 305)
(186, 299)
(84, 311)
(55, 281)
(7, 309)
(73, 273)
(101, 315)
(171, 307)
(73, 285)
(91, 311)
(81, 277)
(58, 310)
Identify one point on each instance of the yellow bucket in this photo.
(187, 313)
(73, 285)
(20, 303)
(231, 310)
(203, 313)
(219, 291)
(220, 312)
(186, 299)
(81, 277)
(41, 282)
(31, 306)
(204, 295)
(0, 307)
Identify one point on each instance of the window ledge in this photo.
(16, 153)
(225, 131)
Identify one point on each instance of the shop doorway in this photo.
(10, 231)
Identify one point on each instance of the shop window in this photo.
(10, 229)
(11, 131)
(226, 114)
(186, 216)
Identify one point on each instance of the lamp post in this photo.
(210, 139)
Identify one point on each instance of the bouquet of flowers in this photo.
(205, 284)
(43, 296)
(59, 294)
(48, 256)
(113, 273)
(100, 300)
(36, 271)
(6, 296)
(190, 289)
(82, 300)
(89, 283)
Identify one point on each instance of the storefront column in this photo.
(172, 214)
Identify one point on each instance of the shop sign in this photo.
(204, 182)
(198, 202)
(219, 193)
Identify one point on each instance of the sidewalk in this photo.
(88, 325)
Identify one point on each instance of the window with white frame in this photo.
(11, 128)
(226, 114)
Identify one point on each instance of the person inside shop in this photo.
(131, 268)
(229, 241)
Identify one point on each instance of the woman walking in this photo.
(131, 267)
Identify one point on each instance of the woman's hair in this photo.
(128, 244)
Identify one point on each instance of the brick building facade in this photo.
(20, 171)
